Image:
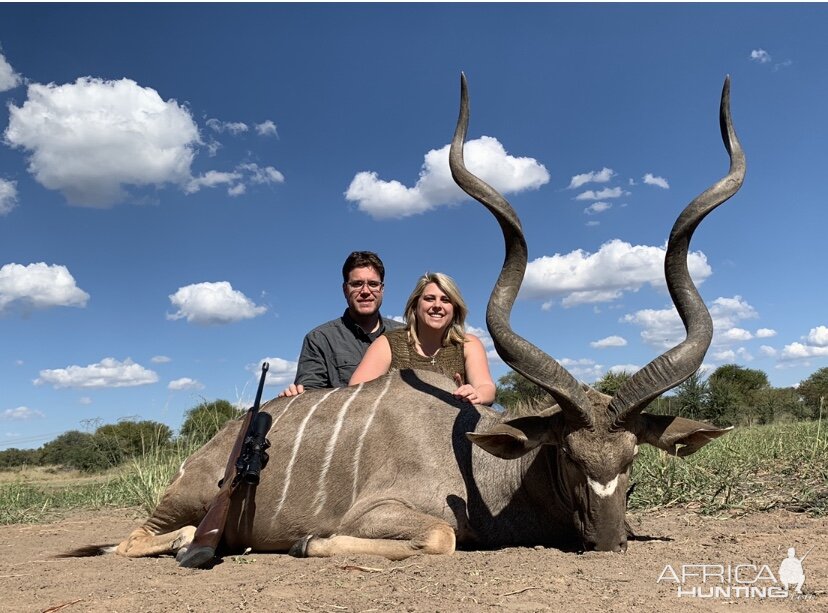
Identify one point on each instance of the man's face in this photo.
(363, 291)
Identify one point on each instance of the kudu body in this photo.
(397, 466)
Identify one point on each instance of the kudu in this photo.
(397, 466)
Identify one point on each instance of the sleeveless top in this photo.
(449, 360)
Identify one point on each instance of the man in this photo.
(331, 352)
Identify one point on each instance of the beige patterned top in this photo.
(448, 360)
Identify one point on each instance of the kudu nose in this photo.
(619, 547)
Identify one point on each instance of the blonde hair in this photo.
(456, 331)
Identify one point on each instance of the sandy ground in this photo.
(514, 579)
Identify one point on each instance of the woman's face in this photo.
(434, 309)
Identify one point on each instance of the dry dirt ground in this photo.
(515, 579)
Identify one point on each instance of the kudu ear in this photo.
(676, 435)
(515, 437)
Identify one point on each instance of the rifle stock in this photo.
(207, 536)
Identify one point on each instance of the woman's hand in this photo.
(464, 391)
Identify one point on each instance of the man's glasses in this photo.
(373, 286)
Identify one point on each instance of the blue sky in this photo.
(179, 186)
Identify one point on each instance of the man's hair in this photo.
(456, 331)
(363, 259)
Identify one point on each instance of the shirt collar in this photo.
(357, 329)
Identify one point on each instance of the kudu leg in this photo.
(143, 543)
(390, 530)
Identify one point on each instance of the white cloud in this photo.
(735, 335)
(8, 78)
(617, 267)
(765, 333)
(582, 369)
(597, 207)
(266, 128)
(725, 355)
(234, 127)
(627, 368)
(594, 176)
(815, 346)
(730, 355)
(798, 351)
(726, 312)
(767, 351)
(185, 383)
(818, 336)
(160, 359)
(609, 192)
(488, 343)
(485, 157)
(39, 286)
(760, 55)
(8, 196)
(213, 303)
(661, 182)
(20, 414)
(252, 173)
(262, 175)
(281, 372)
(108, 373)
(211, 178)
(663, 329)
(610, 341)
(92, 138)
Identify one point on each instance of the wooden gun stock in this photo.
(208, 534)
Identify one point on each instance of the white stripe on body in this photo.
(361, 440)
(297, 441)
(321, 496)
(276, 419)
(603, 491)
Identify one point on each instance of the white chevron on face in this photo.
(603, 490)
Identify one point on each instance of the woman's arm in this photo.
(479, 389)
(375, 363)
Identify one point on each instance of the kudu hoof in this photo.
(196, 557)
(300, 547)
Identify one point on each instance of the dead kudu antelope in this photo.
(396, 466)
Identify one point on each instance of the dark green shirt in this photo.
(331, 352)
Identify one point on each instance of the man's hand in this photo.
(292, 390)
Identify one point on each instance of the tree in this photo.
(15, 458)
(690, 397)
(129, 438)
(517, 393)
(778, 403)
(733, 394)
(203, 421)
(813, 388)
(611, 382)
(75, 449)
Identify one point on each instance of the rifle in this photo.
(246, 461)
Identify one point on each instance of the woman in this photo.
(434, 338)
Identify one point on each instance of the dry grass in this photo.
(753, 468)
